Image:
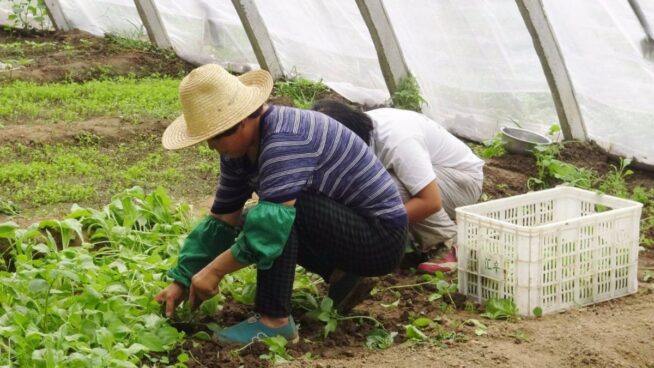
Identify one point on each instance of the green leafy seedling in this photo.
(614, 181)
(480, 328)
(500, 309)
(520, 337)
(538, 311)
(277, 353)
(421, 322)
(414, 333)
(330, 316)
(302, 92)
(380, 339)
(407, 96)
(8, 207)
(493, 147)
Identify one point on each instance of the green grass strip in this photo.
(129, 98)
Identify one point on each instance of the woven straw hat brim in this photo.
(177, 136)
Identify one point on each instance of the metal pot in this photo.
(522, 141)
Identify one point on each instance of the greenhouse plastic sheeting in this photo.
(475, 63)
(328, 40)
(99, 17)
(600, 42)
(207, 31)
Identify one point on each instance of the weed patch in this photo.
(408, 95)
(131, 99)
(302, 92)
(91, 172)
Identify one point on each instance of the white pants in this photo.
(457, 189)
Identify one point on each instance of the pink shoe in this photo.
(447, 264)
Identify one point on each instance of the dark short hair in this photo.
(355, 120)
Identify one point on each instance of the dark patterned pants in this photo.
(327, 235)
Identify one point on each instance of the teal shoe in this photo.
(252, 329)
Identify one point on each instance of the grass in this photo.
(302, 92)
(91, 172)
(408, 95)
(129, 98)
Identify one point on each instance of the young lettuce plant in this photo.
(327, 314)
(500, 309)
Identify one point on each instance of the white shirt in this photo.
(414, 148)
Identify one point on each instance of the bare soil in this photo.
(79, 56)
(618, 333)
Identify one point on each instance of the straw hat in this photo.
(213, 101)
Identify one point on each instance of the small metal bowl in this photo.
(522, 141)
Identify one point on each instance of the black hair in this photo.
(355, 120)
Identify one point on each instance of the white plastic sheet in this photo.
(475, 63)
(328, 40)
(99, 17)
(207, 31)
(600, 41)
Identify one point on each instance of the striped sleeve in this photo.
(233, 188)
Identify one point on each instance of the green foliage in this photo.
(89, 173)
(131, 99)
(437, 280)
(8, 207)
(538, 311)
(414, 333)
(408, 95)
(22, 11)
(520, 337)
(493, 147)
(276, 350)
(302, 92)
(91, 305)
(550, 169)
(643, 196)
(480, 328)
(614, 181)
(134, 43)
(138, 40)
(326, 313)
(500, 309)
(646, 197)
(380, 339)
(555, 129)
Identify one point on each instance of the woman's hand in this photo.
(171, 296)
(204, 285)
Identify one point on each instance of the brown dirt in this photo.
(109, 129)
(618, 333)
(79, 56)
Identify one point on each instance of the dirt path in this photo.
(617, 333)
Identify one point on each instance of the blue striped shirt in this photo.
(304, 150)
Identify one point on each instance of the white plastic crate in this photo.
(554, 249)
